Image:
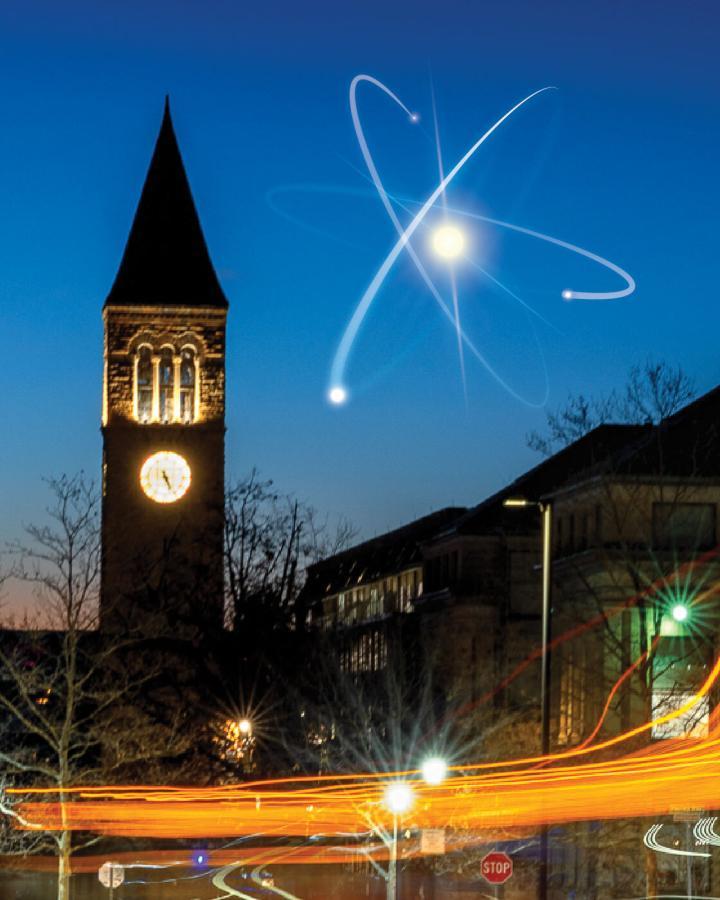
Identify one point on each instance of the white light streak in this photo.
(256, 876)
(220, 883)
(650, 840)
(704, 832)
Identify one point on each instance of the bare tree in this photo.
(270, 538)
(68, 693)
(654, 391)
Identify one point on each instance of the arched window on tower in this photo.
(144, 384)
(165, 382)
(187, 385)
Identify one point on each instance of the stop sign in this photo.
(496, 867)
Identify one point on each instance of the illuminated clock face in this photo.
(165, 476)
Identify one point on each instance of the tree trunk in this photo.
(64, 853)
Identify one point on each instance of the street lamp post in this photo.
(398, 799)
(545, 508)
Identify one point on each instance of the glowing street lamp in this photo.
(244, 726)
(398, 799)
(434, 770)
(545, 509)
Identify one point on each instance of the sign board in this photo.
(111, 874)
(496, 867)
(432, 841)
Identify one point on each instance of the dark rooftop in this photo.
(685, 445)
(166, 261)
(572, 464)
(384, 555)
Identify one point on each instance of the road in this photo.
(292, 882)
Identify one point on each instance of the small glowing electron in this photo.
(680, 612)
(414, 117)
(434, 770)
(245, 726)
(337, 395)
(567, 295)
(398, 797)
(448, 241)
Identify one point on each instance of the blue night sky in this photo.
(621, 159)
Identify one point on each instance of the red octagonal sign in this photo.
(496, 867)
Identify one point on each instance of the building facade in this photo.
(634, 613)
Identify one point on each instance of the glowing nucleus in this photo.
(679, 612)
(448, 241)
(337, 395)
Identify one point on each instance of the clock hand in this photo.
(167, 480)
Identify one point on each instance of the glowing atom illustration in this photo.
(447, 241)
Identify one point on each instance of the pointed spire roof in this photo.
(166, 261)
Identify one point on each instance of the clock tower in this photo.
(163, 412)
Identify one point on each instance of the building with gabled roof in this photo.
(643, 489)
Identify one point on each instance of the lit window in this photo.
(187, 385)
(165, 380)
(573, 695)
(144, 384)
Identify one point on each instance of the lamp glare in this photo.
(434, 770)
(679, 612)
(398, 797)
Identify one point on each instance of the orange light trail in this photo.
(682, 774)
(572, 785)
(516, 793)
